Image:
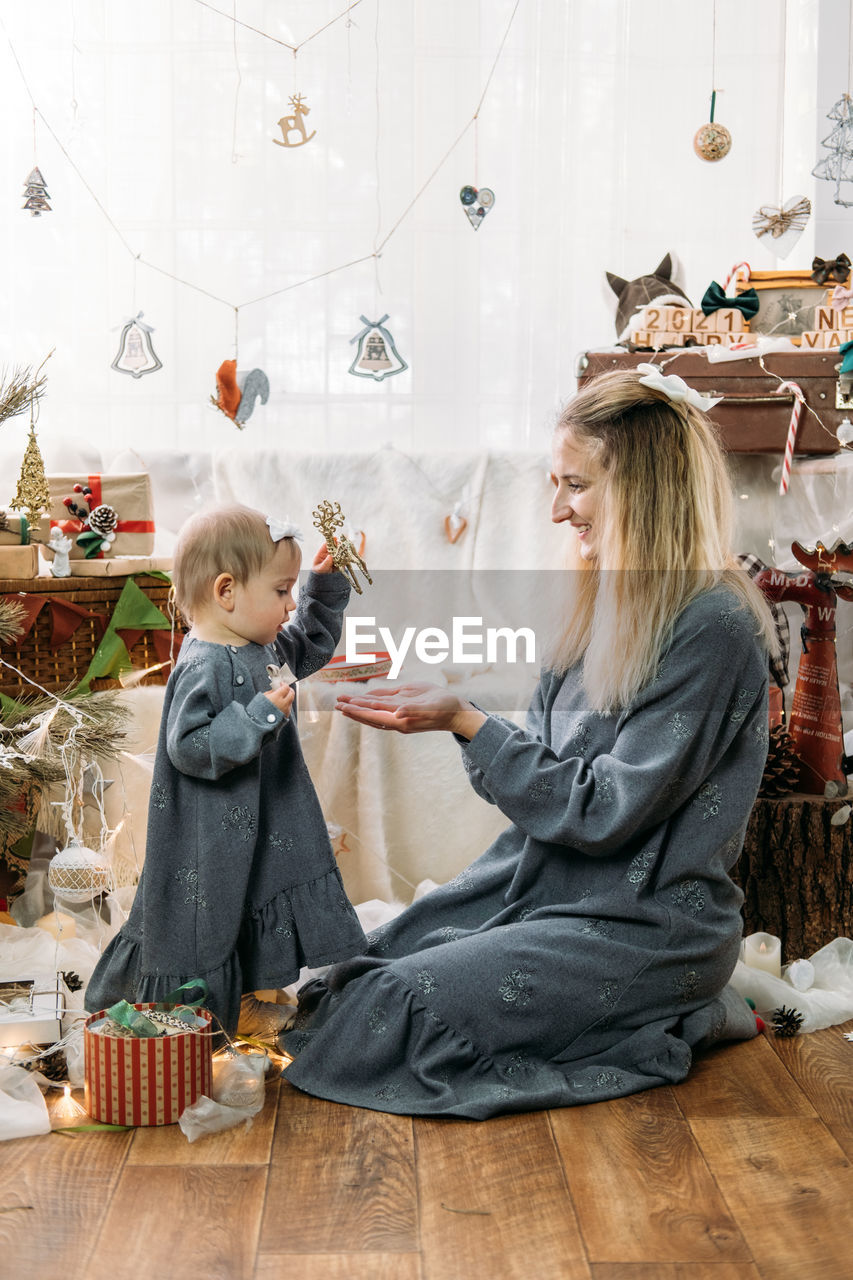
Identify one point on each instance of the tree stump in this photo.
(795, 872)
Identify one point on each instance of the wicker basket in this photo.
(59, 669)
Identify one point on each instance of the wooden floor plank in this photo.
(341, 1178)
(166, 1144)
(676, 1271)
(823, 1066)
(199, 1223)
(494, 1201)
(641, 1189)
(742, 1079)
(62, 1186)
(788, 1185)
(341, 1266)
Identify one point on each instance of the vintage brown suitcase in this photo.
(753, 417)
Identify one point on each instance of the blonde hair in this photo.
(233, 540)
(664, 533)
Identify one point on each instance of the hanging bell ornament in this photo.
(712, 141)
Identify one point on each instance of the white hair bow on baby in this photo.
(283, 529)
(675, 388)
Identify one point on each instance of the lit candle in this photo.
(763, 951)
(58, 923)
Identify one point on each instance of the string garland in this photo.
(379, 244)
(294, 48)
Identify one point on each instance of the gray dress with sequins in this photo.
(586, 954)
(240, 885)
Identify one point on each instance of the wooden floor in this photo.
(740, 1173)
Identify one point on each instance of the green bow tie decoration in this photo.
(716, 300)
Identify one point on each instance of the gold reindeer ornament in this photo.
(328, 518)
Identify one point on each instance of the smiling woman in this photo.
(586, 954)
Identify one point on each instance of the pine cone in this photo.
(53, 1066)
(786, 1022)
(103, 519)
(783, 764)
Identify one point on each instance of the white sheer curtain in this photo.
(169, 112)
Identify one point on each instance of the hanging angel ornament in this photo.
(136, 354)
(377, 357)
(837, 167)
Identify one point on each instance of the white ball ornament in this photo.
(844, 433)
(78, 874)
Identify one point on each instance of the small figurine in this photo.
(60, 545)
(328, 518)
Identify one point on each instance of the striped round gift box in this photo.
(146, 1080)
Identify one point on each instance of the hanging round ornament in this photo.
(712, 140)
(376, 357)
(476, 204)
(136, 354)
(78, 874)
(236, 393)
(36, 193)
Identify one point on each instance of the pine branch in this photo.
(19, 389)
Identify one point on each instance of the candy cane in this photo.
(799, 401)
(735, 269)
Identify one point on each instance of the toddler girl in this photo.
(240, 885)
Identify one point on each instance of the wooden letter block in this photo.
(651, 318)
(680, 319)
(702, 323)
(826, 318)
(813, 339)
(728, 320)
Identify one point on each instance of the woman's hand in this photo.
(413, 708)
(322, 562)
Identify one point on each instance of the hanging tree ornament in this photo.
(376, 357)
(476, 204)
(712, 140)
(36, 193)
(135, 354)
(293, 133)
(837, 167)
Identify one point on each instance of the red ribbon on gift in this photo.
(74, 525)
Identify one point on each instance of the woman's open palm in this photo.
(413, 708)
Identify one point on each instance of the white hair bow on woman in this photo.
(675, 388)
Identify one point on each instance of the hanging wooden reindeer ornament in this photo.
(815, 722)
(328, 518)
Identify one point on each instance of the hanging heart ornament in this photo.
(780, 227)
(476, 204)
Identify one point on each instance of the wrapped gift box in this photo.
(114, 566)
(19, 562)
(128, 495)
(15, 530)
(146, 1080)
